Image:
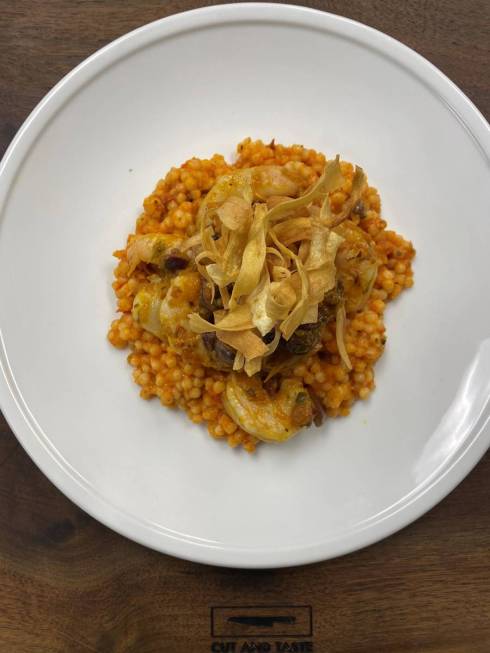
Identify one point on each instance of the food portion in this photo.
(252, 294)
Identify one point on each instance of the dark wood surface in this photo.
(70, 585)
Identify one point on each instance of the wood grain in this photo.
(69, 585)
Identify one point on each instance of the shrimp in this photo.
(269, 181)
(181, 299)
(357, 265)
(146, 308)
(163, 310)
(151, 248)
(271, 418)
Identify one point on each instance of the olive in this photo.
(176, 261)
(224, 353)
(359, 209)
(221, 352)
(269, 337)
(209, 339)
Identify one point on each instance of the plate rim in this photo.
(17, 413)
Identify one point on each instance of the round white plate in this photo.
(72, 184)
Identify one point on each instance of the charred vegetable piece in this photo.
(303, 339)
(328, 307)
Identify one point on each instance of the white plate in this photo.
(72, 183)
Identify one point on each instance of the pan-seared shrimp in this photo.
(272, 418)
(162, 309)
(269, 180)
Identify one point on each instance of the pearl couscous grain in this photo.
(178, 379)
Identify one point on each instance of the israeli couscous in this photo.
(252, 294)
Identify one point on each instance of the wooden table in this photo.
(70, 585)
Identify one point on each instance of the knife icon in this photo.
(262, 622)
